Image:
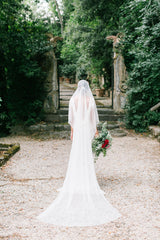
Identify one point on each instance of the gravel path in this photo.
(128, 174)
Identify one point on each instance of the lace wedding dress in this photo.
(80, 201)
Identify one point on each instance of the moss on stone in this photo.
(9, 152)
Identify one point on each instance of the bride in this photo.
(80, 201)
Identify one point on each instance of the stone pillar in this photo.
(51, 102)
(49, 64)
(119, 96)
(120, 75)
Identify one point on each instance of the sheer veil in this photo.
(82, 108)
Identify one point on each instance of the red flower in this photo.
(106, 142)
(103, 145)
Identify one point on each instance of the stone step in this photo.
(66, 127)
(118, 133)
(70, 92)
(46, 130)
(49, 127)
(3, 148)
(66, 97)
(98, 104)
(64, 118)
(66, 91)
(7, 151)
(101, 106)
(100, 111)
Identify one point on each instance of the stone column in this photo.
(51, 102)
(119, 83)
(49, 64)
(120, 75)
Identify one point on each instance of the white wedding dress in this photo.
(80, 201)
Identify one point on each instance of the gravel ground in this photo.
(128, 174)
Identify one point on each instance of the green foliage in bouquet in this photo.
(103, 142)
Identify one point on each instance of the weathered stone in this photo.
(155, 130)
(50, 127)
(112, 126)
(62, 130)
(52, 118)
(62, 127)
(51, 102)
(34, 128)
(49, 65)
(119, 83)
(118, 133)
(17, 130)
(120, 76)
(47, 87)
(43, 127)
(12, 149)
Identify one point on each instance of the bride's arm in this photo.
(71, 133)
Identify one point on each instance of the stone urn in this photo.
(100, 92)
(67, 80)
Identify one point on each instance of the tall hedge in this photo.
(141, 24)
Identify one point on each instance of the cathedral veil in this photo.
(81, 202)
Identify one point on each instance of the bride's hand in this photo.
(71, 133)
(96, 134)
(71, 136)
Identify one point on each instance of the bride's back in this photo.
(82, 107)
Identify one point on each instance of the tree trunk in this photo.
(60, 16)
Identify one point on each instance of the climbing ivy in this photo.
(142, 58)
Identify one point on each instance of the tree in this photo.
(86, 26)
(22, 44)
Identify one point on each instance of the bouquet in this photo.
(103, 142)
